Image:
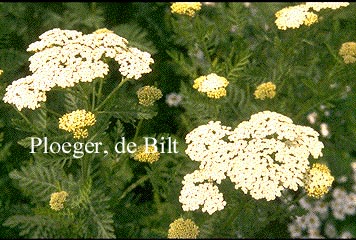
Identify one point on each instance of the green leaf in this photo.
(38, 181)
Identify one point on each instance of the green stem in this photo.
(137, 129)
(133, 186)
(93, 97)
(111, 94)
(98, 96)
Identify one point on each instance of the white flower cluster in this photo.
(65, 57)
(262, 156)
(321, 213)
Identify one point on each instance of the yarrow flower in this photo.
(57, 200)
(77, 122)
(348, 52)
(64, 58)
(181, 228)
(265, 90)
(317, 6)
(186, 8)
(212, 84)
(262, 157)
(173, 99)
(295, 16)
(318, 180)
(291, 17)
(148, 95)
(145, 153)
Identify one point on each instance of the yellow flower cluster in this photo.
(262, 157)
(181, 228)
(64, 58)
(318, 180)
(212, 84)
(147, 95)
(295, 16)
(57, 200)
(1, 71)
(186, 8)
(265, 90)
(348, 52)
(149, 155)
(77, 122)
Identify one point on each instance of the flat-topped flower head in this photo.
(273, 155)
(291, 17)
(212, 85)
(265, 90)
(318, 180)
(145, 153)
(317, 6)
(262, 156)
(77, 123)
(181, 228)
(148, 95)
(23, 93)
(57, 200)
(348, 52)
(63, 58)
(186, 8)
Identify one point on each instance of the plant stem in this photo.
(137, 129)
(111, 94)
(133, 186)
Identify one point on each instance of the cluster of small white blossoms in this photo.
(262, 157)
(64, 58)
(295, 16)
(318, 223)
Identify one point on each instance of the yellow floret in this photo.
(181, 228)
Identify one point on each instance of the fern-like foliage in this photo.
(38, 181)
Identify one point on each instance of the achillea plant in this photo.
(57, 200)
(348, 52)
(181, 228)
(212, 85)
(186, 8)
(79, 105)
(77, 122)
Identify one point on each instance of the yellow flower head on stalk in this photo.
(63, 58)
(181, 228)
(57, 200)
(317, 6)
(265, 90)
(212, 84)
(318, 180)
(1, 71)
(348, 52)
(148, 95)
(77, 122)
(145, 153)
(186, 8)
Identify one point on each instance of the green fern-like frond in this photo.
(38, 181)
